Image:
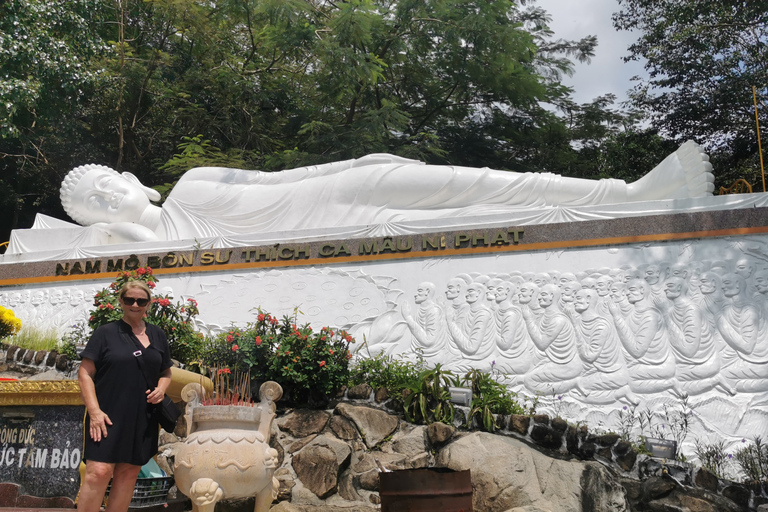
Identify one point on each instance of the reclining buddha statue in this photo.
(372, 190)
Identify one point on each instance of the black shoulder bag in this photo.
(166, 413)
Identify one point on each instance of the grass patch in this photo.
(35, 338)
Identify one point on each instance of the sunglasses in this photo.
(130, 301)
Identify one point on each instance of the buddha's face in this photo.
(102, 196)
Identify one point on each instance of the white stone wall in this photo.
(472, 311)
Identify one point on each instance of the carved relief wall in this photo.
(591, 329)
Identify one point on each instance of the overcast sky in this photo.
(574, 19)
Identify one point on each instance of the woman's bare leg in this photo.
(97, 475)
(123, 482)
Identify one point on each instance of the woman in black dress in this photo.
(122, 435)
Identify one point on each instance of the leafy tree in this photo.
(702, 59)
(45, 73)
(157, 86)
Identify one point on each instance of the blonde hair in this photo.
(140, 285)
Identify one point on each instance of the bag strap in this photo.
(138, 355)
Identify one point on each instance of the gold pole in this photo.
(759, 145)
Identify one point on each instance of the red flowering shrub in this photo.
(306, 363)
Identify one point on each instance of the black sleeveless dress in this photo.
(121, 392)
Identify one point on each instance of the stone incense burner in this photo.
(226, 454)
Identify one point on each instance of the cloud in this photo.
(607, 72)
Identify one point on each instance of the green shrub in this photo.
(489, 398)
(428, 400)
(381, 370)
(77, 335)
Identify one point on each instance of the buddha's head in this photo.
(95, 193)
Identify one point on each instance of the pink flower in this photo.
(261, 318)
(230, 339)
(235, 348)
(141, 271)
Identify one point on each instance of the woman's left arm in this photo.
(157, 394)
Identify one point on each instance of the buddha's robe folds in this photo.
(375, 189)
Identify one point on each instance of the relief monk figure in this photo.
(604, 378)
(693, 342)
(743, 328)
(649, 358)
(474, 334)
(430, 334)
(558, 365)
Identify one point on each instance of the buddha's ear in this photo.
(152, 194)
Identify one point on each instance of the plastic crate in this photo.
(149, 491)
